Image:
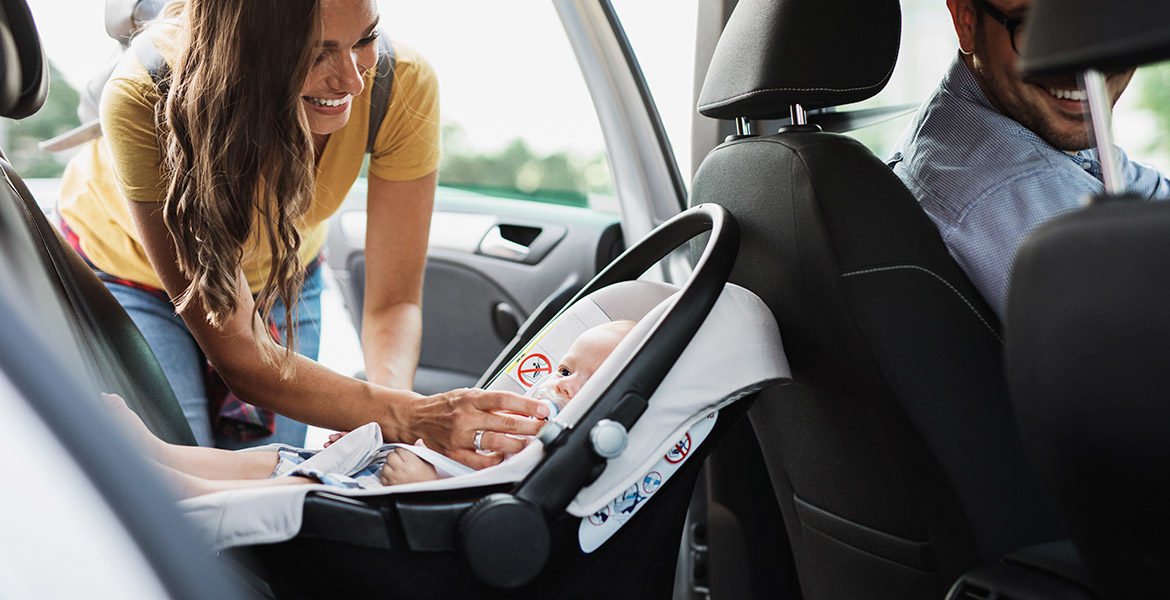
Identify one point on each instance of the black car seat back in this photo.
(894, 455)
(1087, 358)
(115, 352)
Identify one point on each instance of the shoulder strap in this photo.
(383, 85)
(150, 58)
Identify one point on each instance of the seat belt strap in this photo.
(159, 71)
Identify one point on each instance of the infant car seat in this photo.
(572, 516)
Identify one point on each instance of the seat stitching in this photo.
(936, 276)
(885, 78)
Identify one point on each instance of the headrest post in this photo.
(743, 127)
(1101, 113)
(799, 116)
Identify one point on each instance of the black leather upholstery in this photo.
(774, 53)
(894, 456)
(1087, 363)
(24, 79)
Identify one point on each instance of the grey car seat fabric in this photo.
(894, 456)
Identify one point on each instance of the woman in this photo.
(223, 184)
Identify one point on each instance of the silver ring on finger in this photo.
(479, 440)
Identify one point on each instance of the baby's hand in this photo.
(402, 466)
(122, 413)
(333, 437)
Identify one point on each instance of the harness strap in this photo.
(160, 73)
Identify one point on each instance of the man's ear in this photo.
(964, 17)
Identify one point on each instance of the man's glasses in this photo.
(1017, 28)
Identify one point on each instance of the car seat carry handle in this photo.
(505, 537)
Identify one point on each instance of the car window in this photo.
(1141, 119)
(517, 118)
(662, 35)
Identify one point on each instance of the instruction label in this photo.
(600, 526)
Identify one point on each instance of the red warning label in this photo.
(680, 450)
(533, 368)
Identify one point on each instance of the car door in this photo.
(505, 237)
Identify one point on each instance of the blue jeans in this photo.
(184, 363)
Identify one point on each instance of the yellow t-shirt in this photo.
(124, 165)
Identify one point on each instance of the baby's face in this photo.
(586, 354)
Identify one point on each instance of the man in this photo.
(993, 154)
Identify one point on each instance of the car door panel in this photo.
(490, 263)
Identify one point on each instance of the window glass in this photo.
(1141, 119)
(662, 34)
(517, 118)
(74, 38)
(927, 48)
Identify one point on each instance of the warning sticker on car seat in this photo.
(538, 359)
(533, 368)
(600, 526)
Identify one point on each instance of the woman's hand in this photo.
(449, 422)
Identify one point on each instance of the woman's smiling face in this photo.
(348, 48)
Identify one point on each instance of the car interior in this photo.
(921, 450)
(886, 405)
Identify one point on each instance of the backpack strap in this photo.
(383, 85)
(148, 54)
(144, 48)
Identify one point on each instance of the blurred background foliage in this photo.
(20, 138)
(516, 171)
(1151, 87)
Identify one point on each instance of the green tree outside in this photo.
(516, 171)
(1153, 96)
(58, 115)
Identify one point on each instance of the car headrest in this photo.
(25, 77)
(1074, 35)
(816, 53)
(125, 17)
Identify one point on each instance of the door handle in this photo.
(495, 244)
(526, 243)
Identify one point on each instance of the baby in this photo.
(194, 470)
(588, 351)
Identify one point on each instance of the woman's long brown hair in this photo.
(237, 148)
